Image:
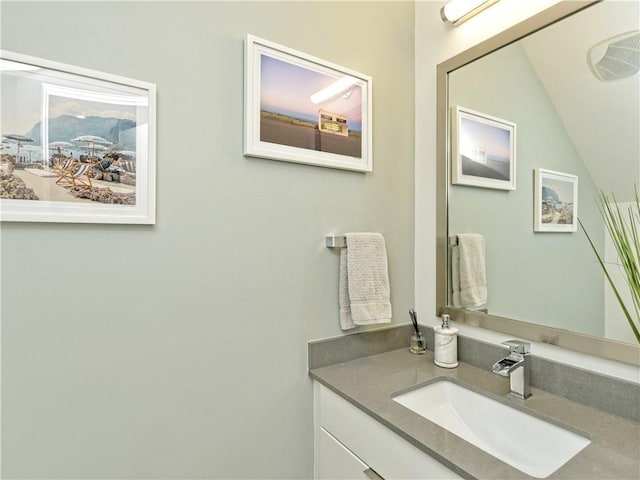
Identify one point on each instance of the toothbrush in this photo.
(414, 321)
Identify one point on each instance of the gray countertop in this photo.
(370, 382)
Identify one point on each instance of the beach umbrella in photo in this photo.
(94, 148)
(127, 154)
(19, 139)
(59, 146)
(92, 141)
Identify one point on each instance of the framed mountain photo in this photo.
(555, 201)
(77, 145)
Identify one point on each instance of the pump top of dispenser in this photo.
(445, 320)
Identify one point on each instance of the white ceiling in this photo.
(601, 118)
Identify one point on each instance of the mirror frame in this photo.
(611, 349)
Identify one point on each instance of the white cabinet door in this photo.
(337, 462)
(370, 442)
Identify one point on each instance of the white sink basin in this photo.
(532, 445)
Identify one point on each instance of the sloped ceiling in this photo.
(601, 118)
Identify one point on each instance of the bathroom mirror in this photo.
(569, 117)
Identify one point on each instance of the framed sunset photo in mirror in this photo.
(483, 150)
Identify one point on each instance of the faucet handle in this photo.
(517, 346)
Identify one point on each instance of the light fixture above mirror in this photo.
(459, 11)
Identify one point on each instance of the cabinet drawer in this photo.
(337, 462)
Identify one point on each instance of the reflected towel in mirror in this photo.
(468, 271)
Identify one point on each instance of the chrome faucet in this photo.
(516, 366)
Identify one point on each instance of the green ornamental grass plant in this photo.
(624, 232)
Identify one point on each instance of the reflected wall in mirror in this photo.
(568, 120)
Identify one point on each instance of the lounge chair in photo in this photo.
(102, 165)
(129, 172)
(128, 166)
(62, 165)
(72, 176)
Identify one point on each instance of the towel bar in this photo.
(336, 241)
(453, 241)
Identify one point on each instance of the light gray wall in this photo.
(179, 350)
(549, 278)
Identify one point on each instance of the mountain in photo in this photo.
(66, 127)
(550, 193)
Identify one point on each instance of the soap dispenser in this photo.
(445, 344)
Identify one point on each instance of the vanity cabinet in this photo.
(351, 444)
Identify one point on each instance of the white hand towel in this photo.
(471, 270)
(346, 322)
(455, 276)
(364, 292)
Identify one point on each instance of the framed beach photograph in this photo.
(78, 145)
(555, 201)
(483, 150)
(302, 109)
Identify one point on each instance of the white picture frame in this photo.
(78, 145)
(555, 201)
(483, 149)
(302, 109)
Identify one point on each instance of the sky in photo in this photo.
(59, 105)
(22, 98)
(494, 140)
(563, 188)
(287, 88)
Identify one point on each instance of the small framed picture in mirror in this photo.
(555, 202)
(483, 150)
